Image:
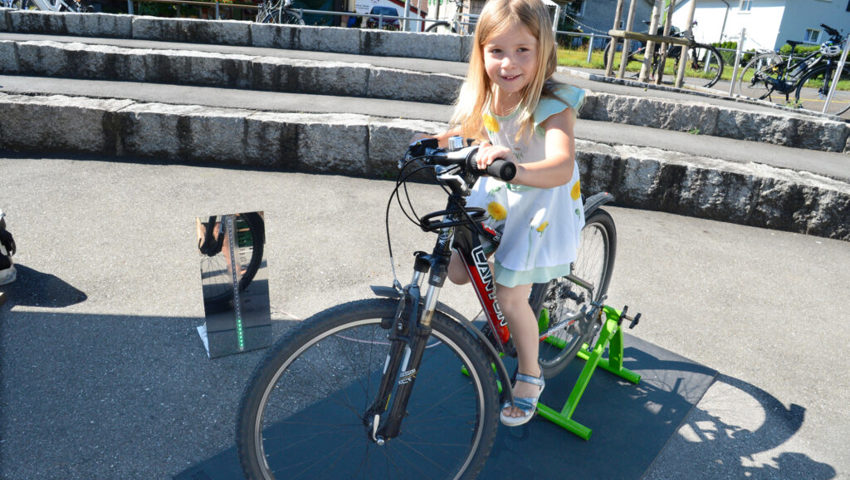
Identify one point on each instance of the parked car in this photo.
(388, 23)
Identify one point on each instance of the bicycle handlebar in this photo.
(835, 34)
(428, 151)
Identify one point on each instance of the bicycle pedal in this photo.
(635, 321)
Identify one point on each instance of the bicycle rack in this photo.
(611, 336)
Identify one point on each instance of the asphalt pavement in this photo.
(104, 376)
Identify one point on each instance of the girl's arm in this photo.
(554, 170)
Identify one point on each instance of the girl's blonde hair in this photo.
(477, 91)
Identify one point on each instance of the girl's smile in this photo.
(510, 60)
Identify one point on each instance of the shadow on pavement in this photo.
(38, 289)
(724, 445)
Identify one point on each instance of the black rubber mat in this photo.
(631, 423)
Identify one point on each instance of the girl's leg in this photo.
(457, 270)
(525, 334)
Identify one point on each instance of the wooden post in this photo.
(609, 70)
(668, 16)
(625, 55)
(649, 52)
(683, 57)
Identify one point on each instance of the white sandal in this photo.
(528, 405)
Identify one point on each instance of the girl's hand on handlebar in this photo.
(487, 153)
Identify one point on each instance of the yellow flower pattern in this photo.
(497, 211)
(491, 124)
(575, 193)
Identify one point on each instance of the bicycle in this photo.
(767, 72)
(701, 57)
(456, 25)
(216, 278)
(334, 398)
(51, 5)
(279, 11)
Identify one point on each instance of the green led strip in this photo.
(237, 303)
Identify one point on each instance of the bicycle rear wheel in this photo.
(634, 56)
(707, 62)
(440, 27)
(758, 76)
(564, 299)
(216, 280)
(302, 414)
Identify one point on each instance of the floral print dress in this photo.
(540, 226)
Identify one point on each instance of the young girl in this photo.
(510, 103)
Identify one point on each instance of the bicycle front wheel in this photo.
(563, 299)
(216, 280)
(759, 76)
(302, 415)
(814, 88)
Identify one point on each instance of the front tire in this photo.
(301, 415)
(821, 79)
(564, 299)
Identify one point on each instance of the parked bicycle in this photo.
(457, 24)
(215, 252)
(48, 5)
(335, 398)
(768, 72)
(278, 11)
(704, 60)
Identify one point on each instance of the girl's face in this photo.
(510, 59)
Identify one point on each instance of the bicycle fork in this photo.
(409, 331)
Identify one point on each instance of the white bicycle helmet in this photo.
(829, 49)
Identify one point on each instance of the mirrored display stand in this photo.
(234, 281)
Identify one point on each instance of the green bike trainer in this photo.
(611, 336)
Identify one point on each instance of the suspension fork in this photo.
(408, 336)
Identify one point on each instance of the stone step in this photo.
(187, 67)
(369, 76)
(355, 144)
(829, 164)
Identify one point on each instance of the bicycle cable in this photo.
(401, 180)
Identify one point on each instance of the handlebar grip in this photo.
(502, 169)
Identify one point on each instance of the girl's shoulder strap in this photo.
(555, 99)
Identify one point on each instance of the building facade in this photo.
(768, 23)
